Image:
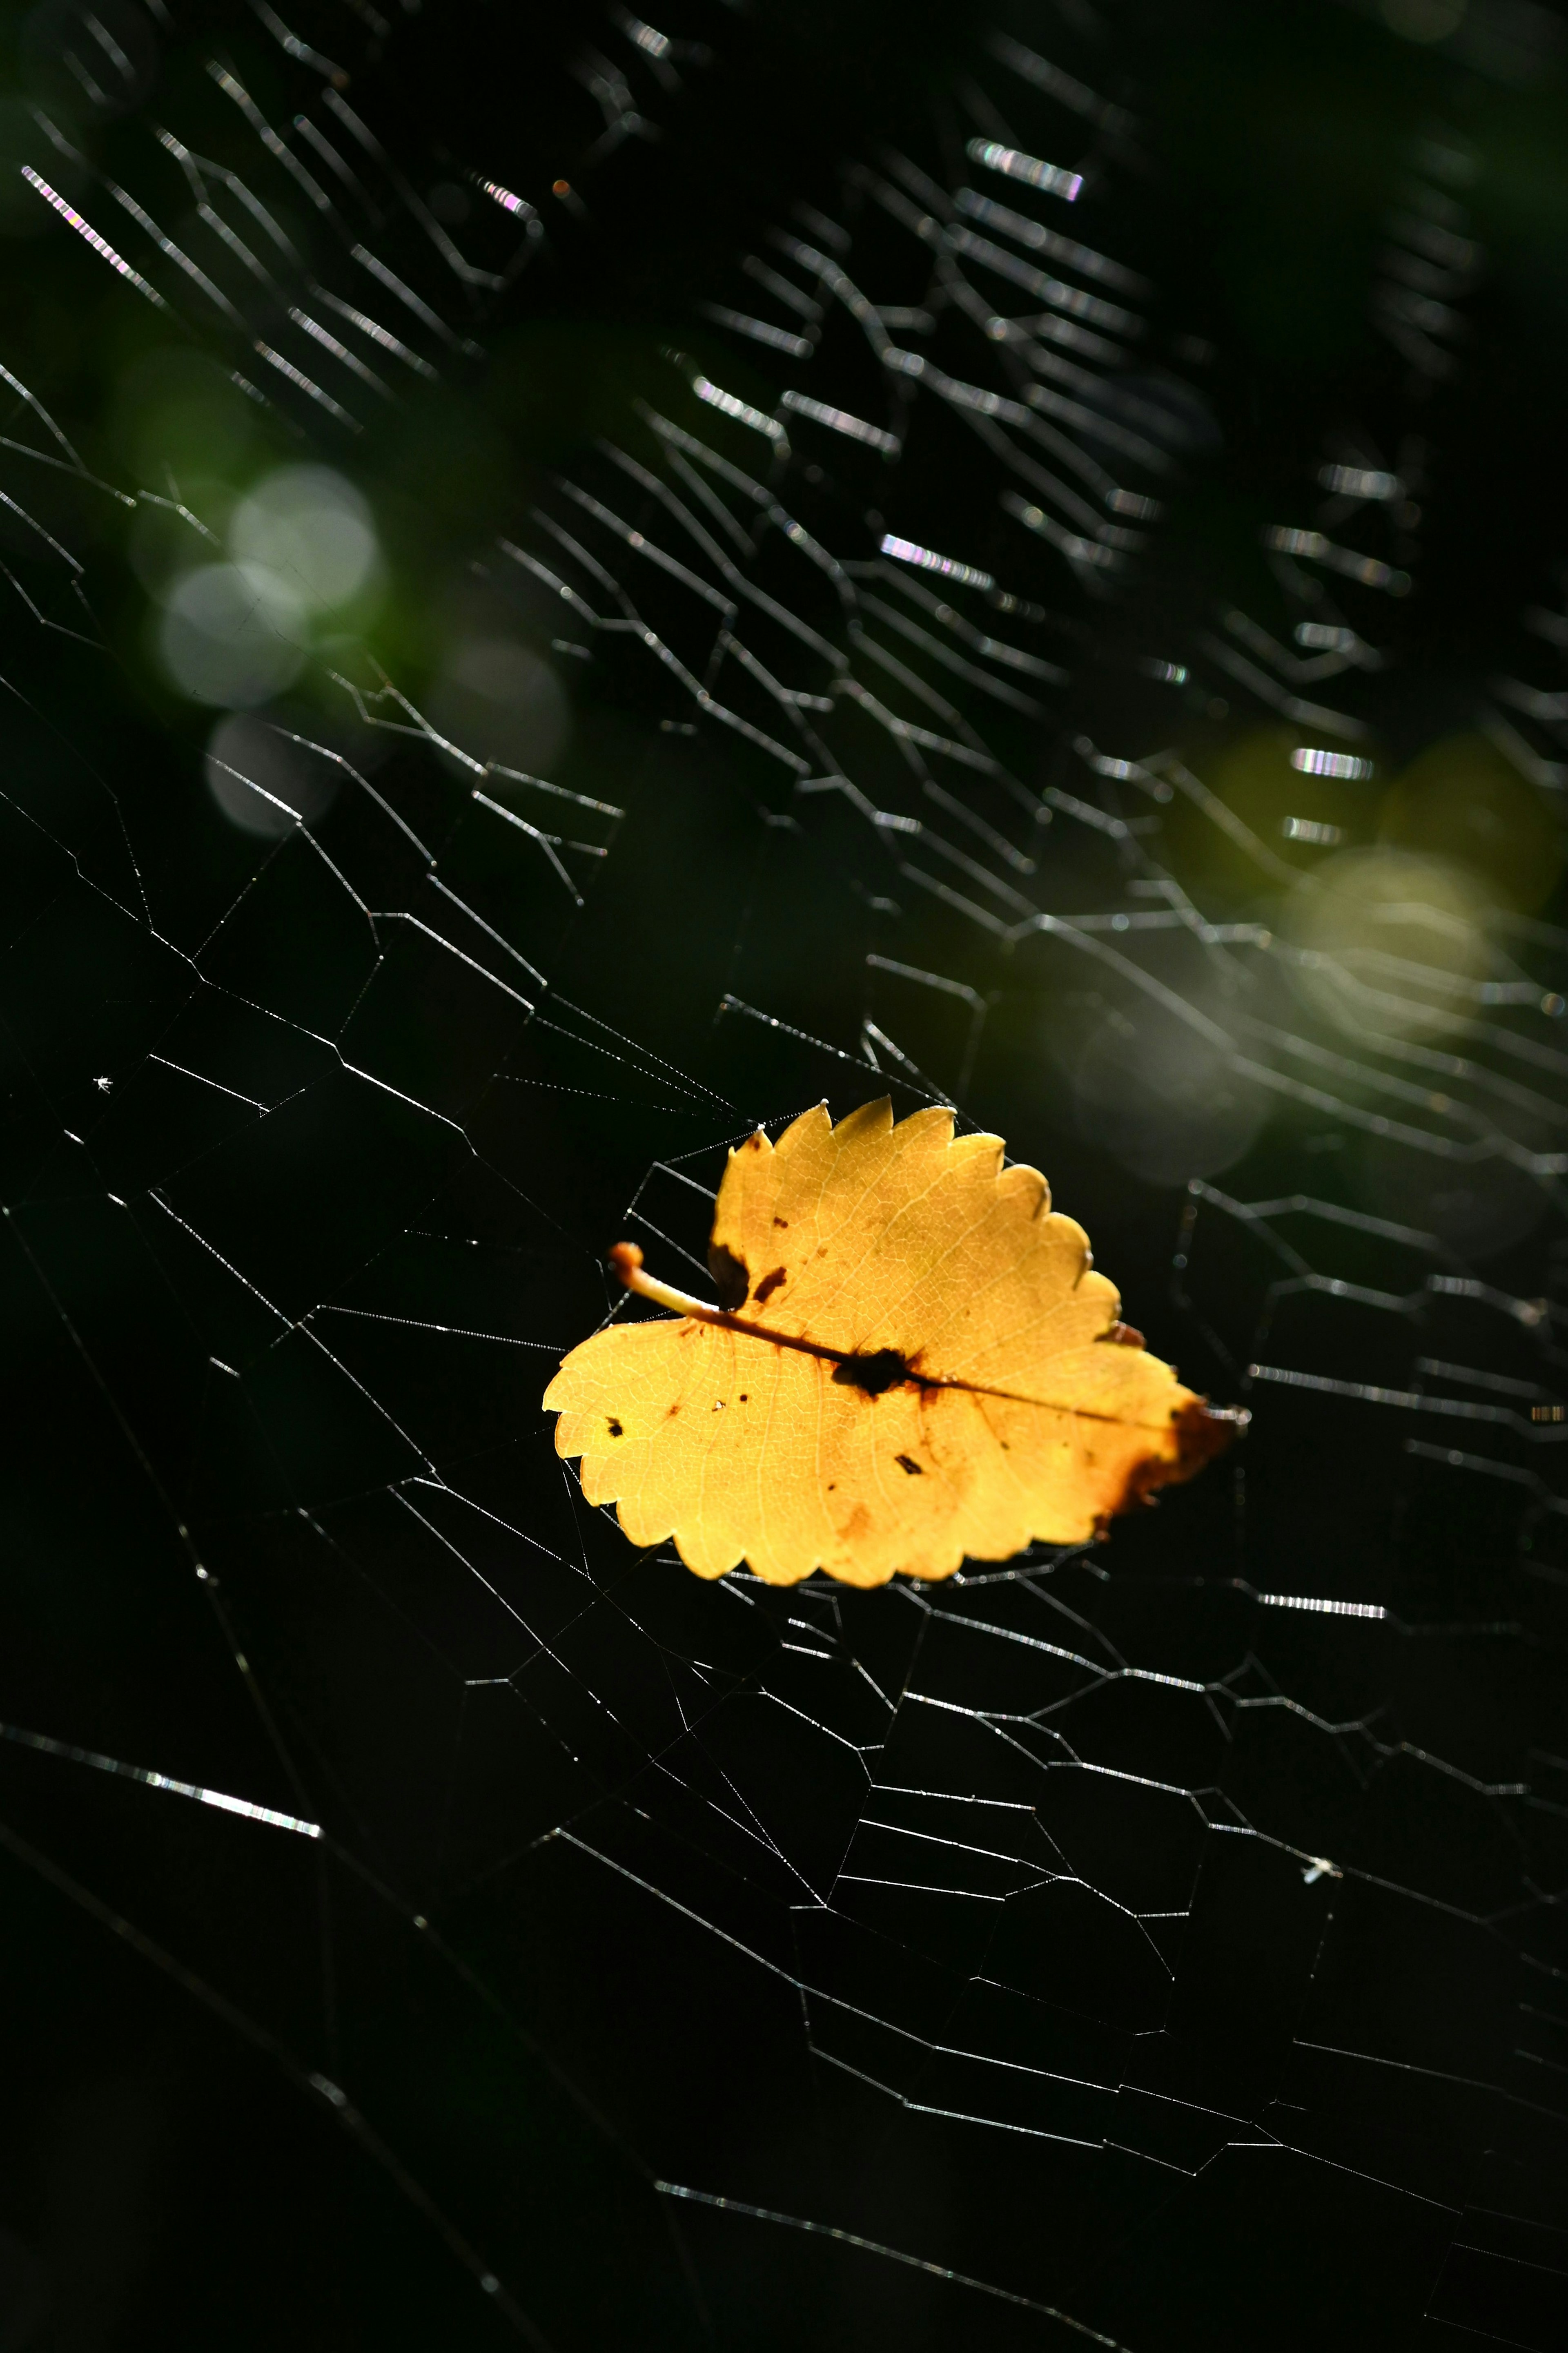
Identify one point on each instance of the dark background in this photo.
(429, 2078)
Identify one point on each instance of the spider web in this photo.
(1129, 1945)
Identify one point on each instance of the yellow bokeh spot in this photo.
(1389, 940)
(1462, 801)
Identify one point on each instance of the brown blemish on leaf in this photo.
(875, 1375)
(781, 1221)
(1202, 1432)
(769, 1284)
(731, 1277)
(906, 1462)
(615, 1431)
(1122, 1335)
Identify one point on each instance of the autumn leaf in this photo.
(911, 1363)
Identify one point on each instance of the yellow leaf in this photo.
(912, 1363)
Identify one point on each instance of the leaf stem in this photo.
(626, 1259)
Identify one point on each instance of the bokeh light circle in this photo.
(500, 701)
(232, 634)
(1163, 1099)
(263, 781)
(312, 529)
(1390, 940)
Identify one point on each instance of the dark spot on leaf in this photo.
(731, 1277)
(671, 1414)
(755, 1142)
(872, 1374)
(769, 1284)
(744, 1398)
(781, 1221)
(614, 1430)
(906, 1462)
(1122, 1335)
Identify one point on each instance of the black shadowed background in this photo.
(571, 586)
